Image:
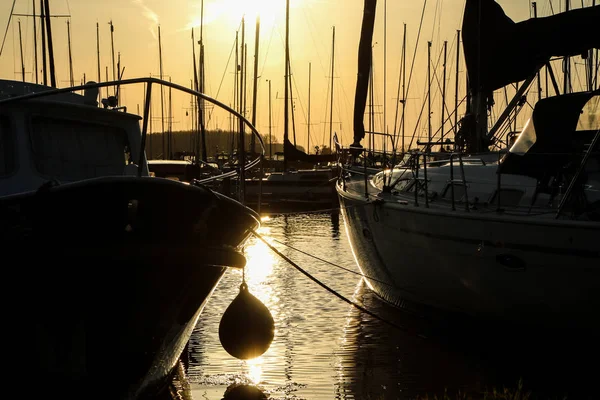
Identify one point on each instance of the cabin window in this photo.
(68, 149)
(7, 147)
(508, 197)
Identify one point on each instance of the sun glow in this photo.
(270, 12)
(259, 262)
(255, 370)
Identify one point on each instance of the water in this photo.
(326, 349)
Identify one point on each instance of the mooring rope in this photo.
(332, 264)
(332, 291)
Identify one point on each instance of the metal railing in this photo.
(149, 81)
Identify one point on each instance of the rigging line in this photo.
(266, 56)
(222, 77)
(338, 295)
(332, 264)
(412, 65)
(423, 106)
(7, 25)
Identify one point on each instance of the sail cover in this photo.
(364, 69)
(499, 51)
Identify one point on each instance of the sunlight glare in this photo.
(255, 370)
(259, 262)
(271, 12)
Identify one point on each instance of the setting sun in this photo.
(270, 12)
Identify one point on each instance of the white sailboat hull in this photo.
(484, 265)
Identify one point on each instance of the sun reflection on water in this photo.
(260, 261)
(255, 370)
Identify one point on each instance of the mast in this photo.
(331, 100)
(428, 95)
(21, 46)
(286, 77)
(98, 50)
(170, 125)
(193, 138)
(403, 86)
(70, 54)
(371, 145)
(384, 70)
(35, 49)
(241, 140)
(254, 92)
(539, 81)
(567, 63)
(270, 124)
(444, 91)
(112, 50)
(308, 133)
(235, 89)
(201, 85)
(162, 101)
(43, 29)
(50, 45)
(456, 82)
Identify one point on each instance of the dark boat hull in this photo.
(113, 275)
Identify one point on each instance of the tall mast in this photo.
(194, 145)
(235, 88)
(286, 77)
(162, 101)
(43, 29)
(428, 95)
(201, 85)
(270, 125)
(567, 63)
(170, 125)
(444, 91)
(456, 82)
(35, 49)
(308, 133)
(331, 100)
(21, 46)
(241, 140)
(403, 84)
(539, 81)
(50, 44)
(254, 90)
(72, 78)
(98, 51)
(384, 69)
(371, 104)
(112, 50)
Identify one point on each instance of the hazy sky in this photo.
(135, 38)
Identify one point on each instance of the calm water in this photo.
(326, 349)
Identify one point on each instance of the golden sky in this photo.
(311, 21)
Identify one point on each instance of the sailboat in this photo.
(508, 235)
(296, 189)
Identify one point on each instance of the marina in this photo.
(172, 242)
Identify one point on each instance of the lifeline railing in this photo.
(149, 81)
